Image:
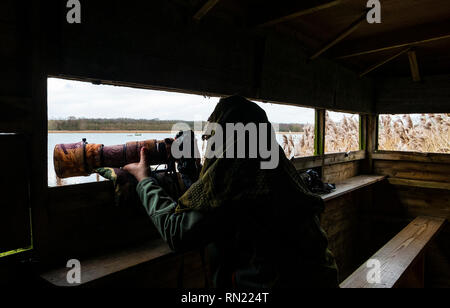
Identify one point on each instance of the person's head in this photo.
(239, 128)
(237, 109)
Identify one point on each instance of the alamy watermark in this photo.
(73, 275)
(74, 12)
(242, 141)
(374, 272)
(73, 16)
(374, 14)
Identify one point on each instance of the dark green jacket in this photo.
(249, 245)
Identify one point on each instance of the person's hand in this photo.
(140, 170)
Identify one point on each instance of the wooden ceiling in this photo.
(421, 25)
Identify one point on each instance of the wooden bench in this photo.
(401, 260)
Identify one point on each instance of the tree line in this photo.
(76, 124)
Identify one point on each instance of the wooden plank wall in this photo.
(15, 200)
(212, 58)
(339, 172)
(345, 221)
(23, 101)
(398, 204)
(403, 95)
(83, 219)
(437, 172)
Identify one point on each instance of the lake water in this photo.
(101, 138)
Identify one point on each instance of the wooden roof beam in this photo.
(300, 13)
(209, 4)
(373, 67)
(355, 25)
(414, 65)
(414, 43)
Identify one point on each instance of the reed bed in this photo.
(298, 145)
(342, 135)
(416, 133)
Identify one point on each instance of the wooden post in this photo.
(414, 65)
(371, 142)
(412, 43)
(362, 131)
(319, 136)
(373, 67)
(39, 135)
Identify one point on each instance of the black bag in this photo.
(315, 184)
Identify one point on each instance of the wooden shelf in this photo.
(352, 184)
(99, 267)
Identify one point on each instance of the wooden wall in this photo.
(345, 220)
(14, 212)
(157, 44)
(341, 171)
(402, 95)
(436, 172)
(83, 219)
(23, 102)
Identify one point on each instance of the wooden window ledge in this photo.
(352, 184)
(99, 267)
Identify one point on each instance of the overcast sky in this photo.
(82, 99)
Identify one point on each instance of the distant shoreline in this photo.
(129, 132)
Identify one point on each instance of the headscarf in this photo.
(225, 181)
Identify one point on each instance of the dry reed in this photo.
(343, 135)
(298, 145)
(418, 133)
(340, 136)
